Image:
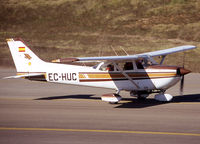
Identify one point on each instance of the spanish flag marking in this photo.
(21, 49)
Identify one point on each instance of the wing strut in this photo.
(163, 58)
(126, 75)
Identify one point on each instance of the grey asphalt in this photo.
(37, 112)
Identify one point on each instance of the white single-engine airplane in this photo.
(139, 73)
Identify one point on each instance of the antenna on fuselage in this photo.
(124, 50)
(114, 50)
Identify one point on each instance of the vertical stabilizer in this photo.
(24, 59)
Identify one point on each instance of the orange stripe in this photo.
(26, 73)
(100, 76)
(81, 76)
(162, 74)
(109, 76)
(21, 73)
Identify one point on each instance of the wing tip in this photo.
(189, 46)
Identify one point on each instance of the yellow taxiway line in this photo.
(99, 131)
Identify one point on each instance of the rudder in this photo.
(24, 59)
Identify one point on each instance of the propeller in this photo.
(182, 76)
(182, 85)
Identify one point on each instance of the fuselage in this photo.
(139, 74)
(150, 78)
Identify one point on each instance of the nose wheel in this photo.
(163, 97)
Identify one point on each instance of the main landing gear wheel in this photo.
(113, 102)
(111, 98)
(140, 95)
(140, 98)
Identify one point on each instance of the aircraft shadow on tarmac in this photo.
(152, 102)
(130, 102)
(78, 96)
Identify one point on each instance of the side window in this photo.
(139, 64)
(128, 66)
(125, 66)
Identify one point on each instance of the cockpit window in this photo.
(106, 67)
(110, 67)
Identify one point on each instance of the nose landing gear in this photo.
(163, 97)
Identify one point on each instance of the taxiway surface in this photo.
(35, 112)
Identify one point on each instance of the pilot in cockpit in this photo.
(110, 67)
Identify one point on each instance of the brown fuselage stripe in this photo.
(130, 75)
(106, 76)
(112, 72)
(121, 79)
(117, 75)
(37, 78)
(34, 78)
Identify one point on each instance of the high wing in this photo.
(137, 56)
(170, 50)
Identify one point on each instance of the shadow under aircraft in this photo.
(130, 102)
(78, 96)
(135, 103)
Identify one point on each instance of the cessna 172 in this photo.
(139, 73)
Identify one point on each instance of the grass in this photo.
(74, 28)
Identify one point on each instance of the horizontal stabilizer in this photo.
(24, 76)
